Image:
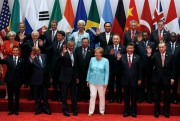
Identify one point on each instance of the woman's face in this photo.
(97, 54)
(11, 37)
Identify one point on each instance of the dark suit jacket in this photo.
(176, 56)
(102, 39)
(40, 74)
(112, 59)
(160, 73)
(27, 37)
(127, 37)
(13, 75)
(154, 36)
(83, 64)
(130, 75)
(68, 72)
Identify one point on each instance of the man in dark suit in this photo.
(68, 77)
(163, 77)
(56, 49)
(131, 70)
(83, 55)
(130, 35)
(40, 80)
(13, 79)
(143, 43)
(160, 34)
(105, 38)
(111, 53)
(27, 48)
(173, 47)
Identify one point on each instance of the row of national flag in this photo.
(36, 20)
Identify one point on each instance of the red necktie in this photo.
(162, 59)
(129, 61)
(160, 35)
(132, 35)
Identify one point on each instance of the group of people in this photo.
(139, 67)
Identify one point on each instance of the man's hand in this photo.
(172, 81)
(118, 56)
(139, 38)
(112, 51)
(44, 29)
(149, 51)
(98, 31)
(139, 82)
(32, 56)
(77, 81)
(40, 42)
(69, 30)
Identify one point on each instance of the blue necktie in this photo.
(172, 48)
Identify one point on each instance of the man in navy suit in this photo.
(13, 79)
(131, 77)
(40, 80)
(115, 75)
(104, 38)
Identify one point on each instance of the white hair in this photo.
(81, 21)
(35, 32)
(11, 33)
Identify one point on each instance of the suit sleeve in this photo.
(106, 72)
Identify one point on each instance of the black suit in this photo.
(176, 60)
(114, 72)
(102, 39)
(146, 70)
(127, 37)
(68, 76)
(40, 81)
(130, 81)
(82, 66)
(155, 38)
(13, 79)
(161, 78)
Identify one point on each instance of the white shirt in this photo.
(16, 58)
(35, 43)
(131, 57)
(107, 37)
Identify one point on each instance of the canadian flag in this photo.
(172, 19)
(146, 19)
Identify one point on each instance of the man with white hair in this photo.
(78, 35)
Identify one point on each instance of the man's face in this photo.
(162, 47)
(60, 37)
(130, 49)
(21, 28)
(107, 27)
(53, 26)
(173, 37)
(133, 26)
(116, 40)
(85, 43)
(15, 51)
(145, 36)
(71, 47)
(160, 25)
(35, 36)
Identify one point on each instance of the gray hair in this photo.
(81, 21)
(133, 21)
(35, 32)
(11, 33)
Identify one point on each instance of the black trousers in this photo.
(41, 97)
(13, 90)
(73, 93)
(115, 79)
(174, 87)
(130, 97)
(157, 97)
(82, 89)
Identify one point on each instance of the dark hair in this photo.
(161, 21)
(62, 33)
(85, 38)
(130, 44)
(54, 21)
(107, 23)
(16, 47)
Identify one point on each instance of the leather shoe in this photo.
(175, 101)
(125, 114)
(75, 114)
(156, 115)
(134, 115)
(111, 101)
(118, 101)
(37, 112)
(10, 112)
(16, 113)
(66, 114)
(166, 115)
(47, 112)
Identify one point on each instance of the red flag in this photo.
(146, 19)
(68, 13)
(132, 15)
(119, 20)
(172, 20)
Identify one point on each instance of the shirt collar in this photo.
(15, 57)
